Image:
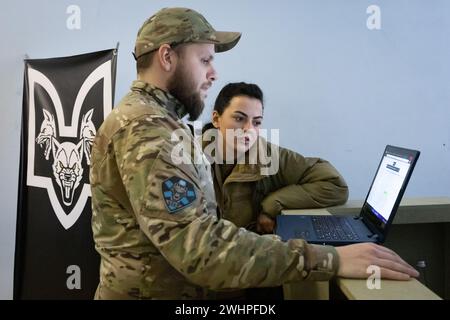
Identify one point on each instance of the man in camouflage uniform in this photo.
(154, 220)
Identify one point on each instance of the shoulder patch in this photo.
(178, 193)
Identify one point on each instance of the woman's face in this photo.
(242, 119)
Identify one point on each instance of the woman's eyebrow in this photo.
(243, 114)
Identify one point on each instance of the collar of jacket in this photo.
(164, 98)
(245, 173)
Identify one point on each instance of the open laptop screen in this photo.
(387, 185)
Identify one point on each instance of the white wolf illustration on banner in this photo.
(67, 156)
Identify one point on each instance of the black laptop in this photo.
(377, 213)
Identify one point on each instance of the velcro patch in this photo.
(178, 193)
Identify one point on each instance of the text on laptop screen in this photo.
(387, 185)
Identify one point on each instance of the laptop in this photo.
(377, 213)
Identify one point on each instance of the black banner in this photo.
(64, 102)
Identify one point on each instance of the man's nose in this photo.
(212, 74)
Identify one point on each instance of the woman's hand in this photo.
(264, 224)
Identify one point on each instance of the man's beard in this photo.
(183, 88)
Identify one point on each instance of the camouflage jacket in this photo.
(299, 183)
(154, 219)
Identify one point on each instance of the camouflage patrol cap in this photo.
(180, 25)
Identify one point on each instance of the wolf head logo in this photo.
(65, 146)
(67, 157)
(47, 133)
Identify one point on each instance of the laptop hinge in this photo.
(373, 236)
(369, 226)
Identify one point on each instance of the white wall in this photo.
(335, 88)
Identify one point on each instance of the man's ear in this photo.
(215, 119)
(166, 57)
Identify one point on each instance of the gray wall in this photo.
(335, 88)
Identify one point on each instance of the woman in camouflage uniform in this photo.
(244, 195)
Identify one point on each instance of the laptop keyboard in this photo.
(333, 228)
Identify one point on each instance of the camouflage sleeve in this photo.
(173, 212)
(308, 183)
